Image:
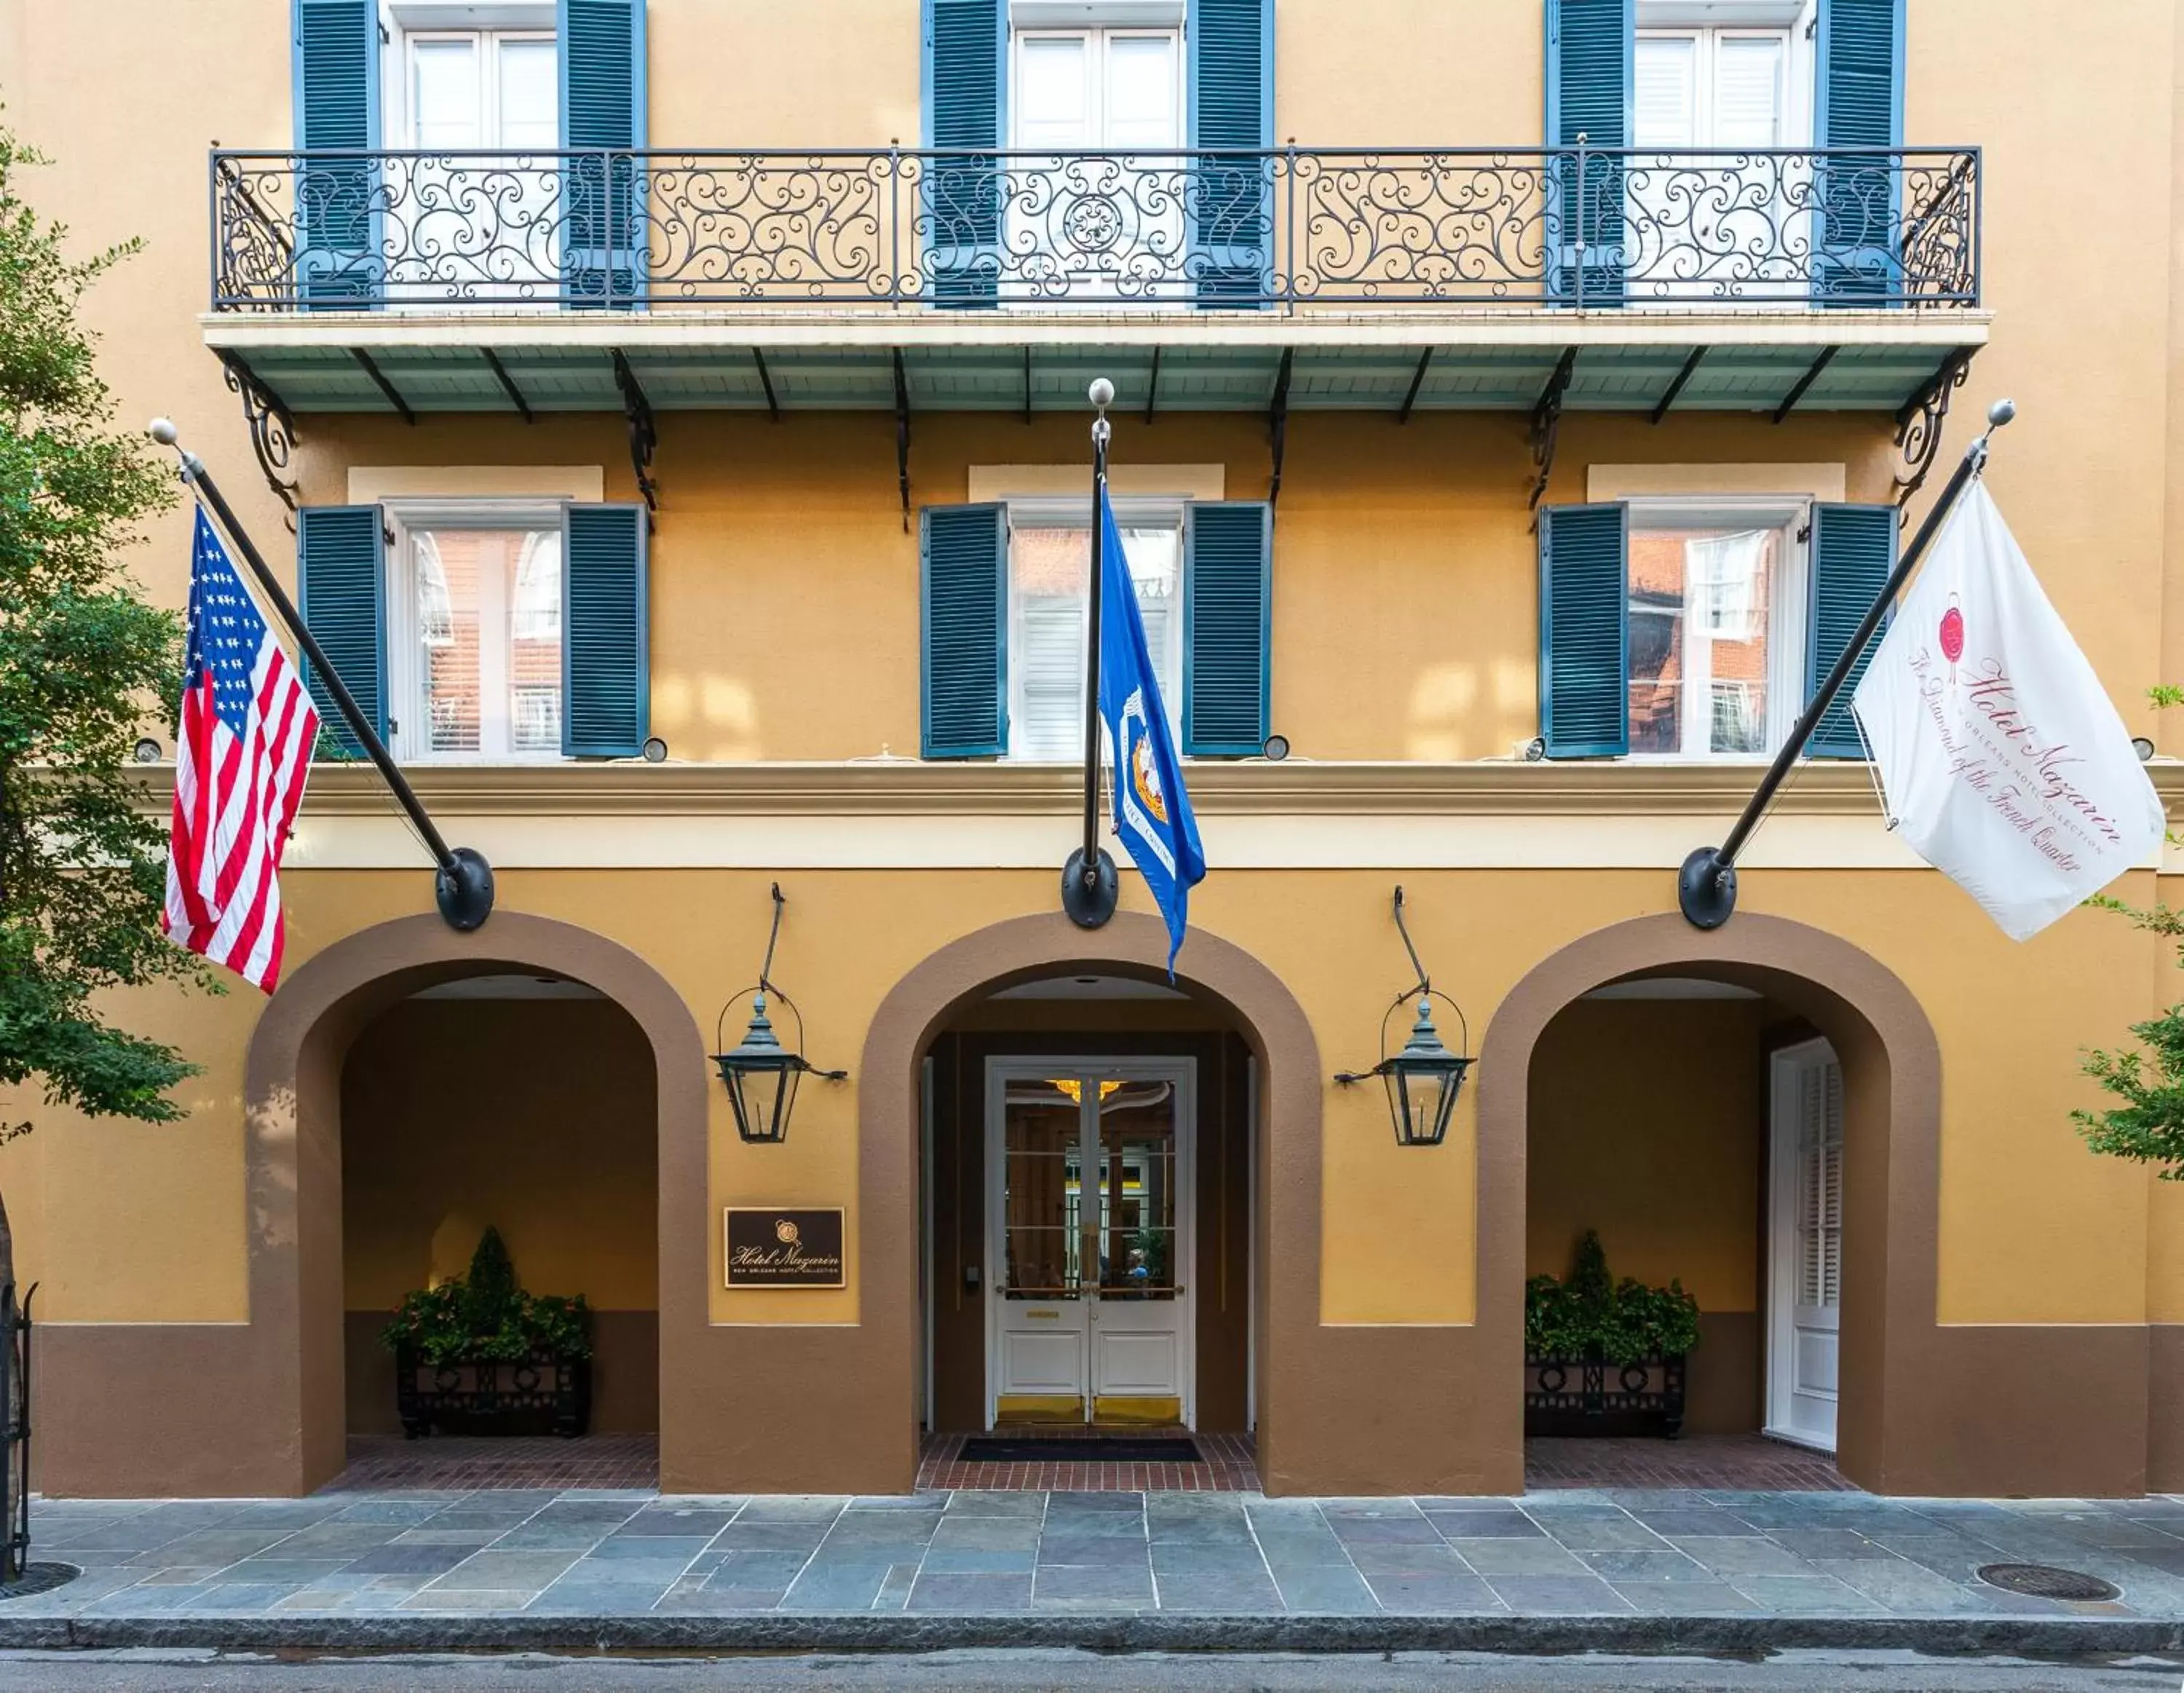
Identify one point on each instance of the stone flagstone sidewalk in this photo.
(425, 1559)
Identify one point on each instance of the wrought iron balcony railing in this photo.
(1291, 228)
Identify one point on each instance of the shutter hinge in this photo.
(385, 39)
(1812, 26)
(1805, 533)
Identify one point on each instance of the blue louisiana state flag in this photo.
(1152, 812)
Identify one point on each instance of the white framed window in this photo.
(1049, 566)
(474, 630)
(1717, 593)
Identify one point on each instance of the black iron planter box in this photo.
(543, 1393)
(1590, 1395)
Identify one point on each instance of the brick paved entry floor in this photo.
(1741, 1463)
(1230, 1465)
(458, 1463)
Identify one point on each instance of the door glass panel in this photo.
(529, 100)
(1137, 1184)
(1041, 1191)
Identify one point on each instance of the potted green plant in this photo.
(1578, 1330)
(479, 1355)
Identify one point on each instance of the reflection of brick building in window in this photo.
(488, 611)
(1700, 605)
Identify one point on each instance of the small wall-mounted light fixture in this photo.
(654, 750)
(1275, 748)
(2143, 746)
(148, 751)
(1423, 1079)
(762, 1074)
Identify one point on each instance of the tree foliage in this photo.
(84, 662)
(2148, 1125)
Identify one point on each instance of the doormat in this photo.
(1092, 1449)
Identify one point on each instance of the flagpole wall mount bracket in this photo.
(1090, 900)
(1706, 889)
(463, 889)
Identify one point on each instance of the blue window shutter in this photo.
(1853, 551)
(963, 89)
(334, 47)
(603, 101)
(1857, 101)
(1591, 89)
(341, 589)
(1585, 630)
(964, 611)
(1231, 44)
(1228, 607)
(606, 639)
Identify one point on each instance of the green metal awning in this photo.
(1631, 361)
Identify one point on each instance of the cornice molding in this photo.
(908, 788)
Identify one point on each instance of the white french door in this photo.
(1088, 1208)
(1110, 224)
(476, 226)
(1805, 1245)
(1705, 226)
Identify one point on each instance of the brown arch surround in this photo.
(1927, 1409)
(256, 1407)
(1286, 1152)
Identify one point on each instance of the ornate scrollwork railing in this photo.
(1292, 227)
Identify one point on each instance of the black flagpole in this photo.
(1089, 885)
(464, 884)
(1705, 886)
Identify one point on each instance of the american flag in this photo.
(245, 741)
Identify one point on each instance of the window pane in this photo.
(1141, 102)
(447, 621)
(1700, 607)
(529, 97)
(487, 616)
(534, 659)
(443, 93)
(1666, 73)
(1748, 93)
(1656, 641)
(1048, 567)
(1051, 91)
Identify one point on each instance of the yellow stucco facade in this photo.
(785, 679)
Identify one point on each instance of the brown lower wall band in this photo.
(2165, 1408)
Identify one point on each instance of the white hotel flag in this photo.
(2002, 762)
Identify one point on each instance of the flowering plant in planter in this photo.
(487, 1317)
(1592, 1314)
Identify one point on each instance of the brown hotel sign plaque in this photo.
(771, 1247)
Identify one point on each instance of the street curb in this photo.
(865, 1632)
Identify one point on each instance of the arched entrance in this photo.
(1284, 1150)
(294, 1103)
(1890, 1066)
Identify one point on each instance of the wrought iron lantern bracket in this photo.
(1422, 1061)
(272, 428)
(1278, 424)
(1546, 425)
(644, 433)
(1918, 424)
(760, 1058)
(902, 437)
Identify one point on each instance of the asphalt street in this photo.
(1001, 1672)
